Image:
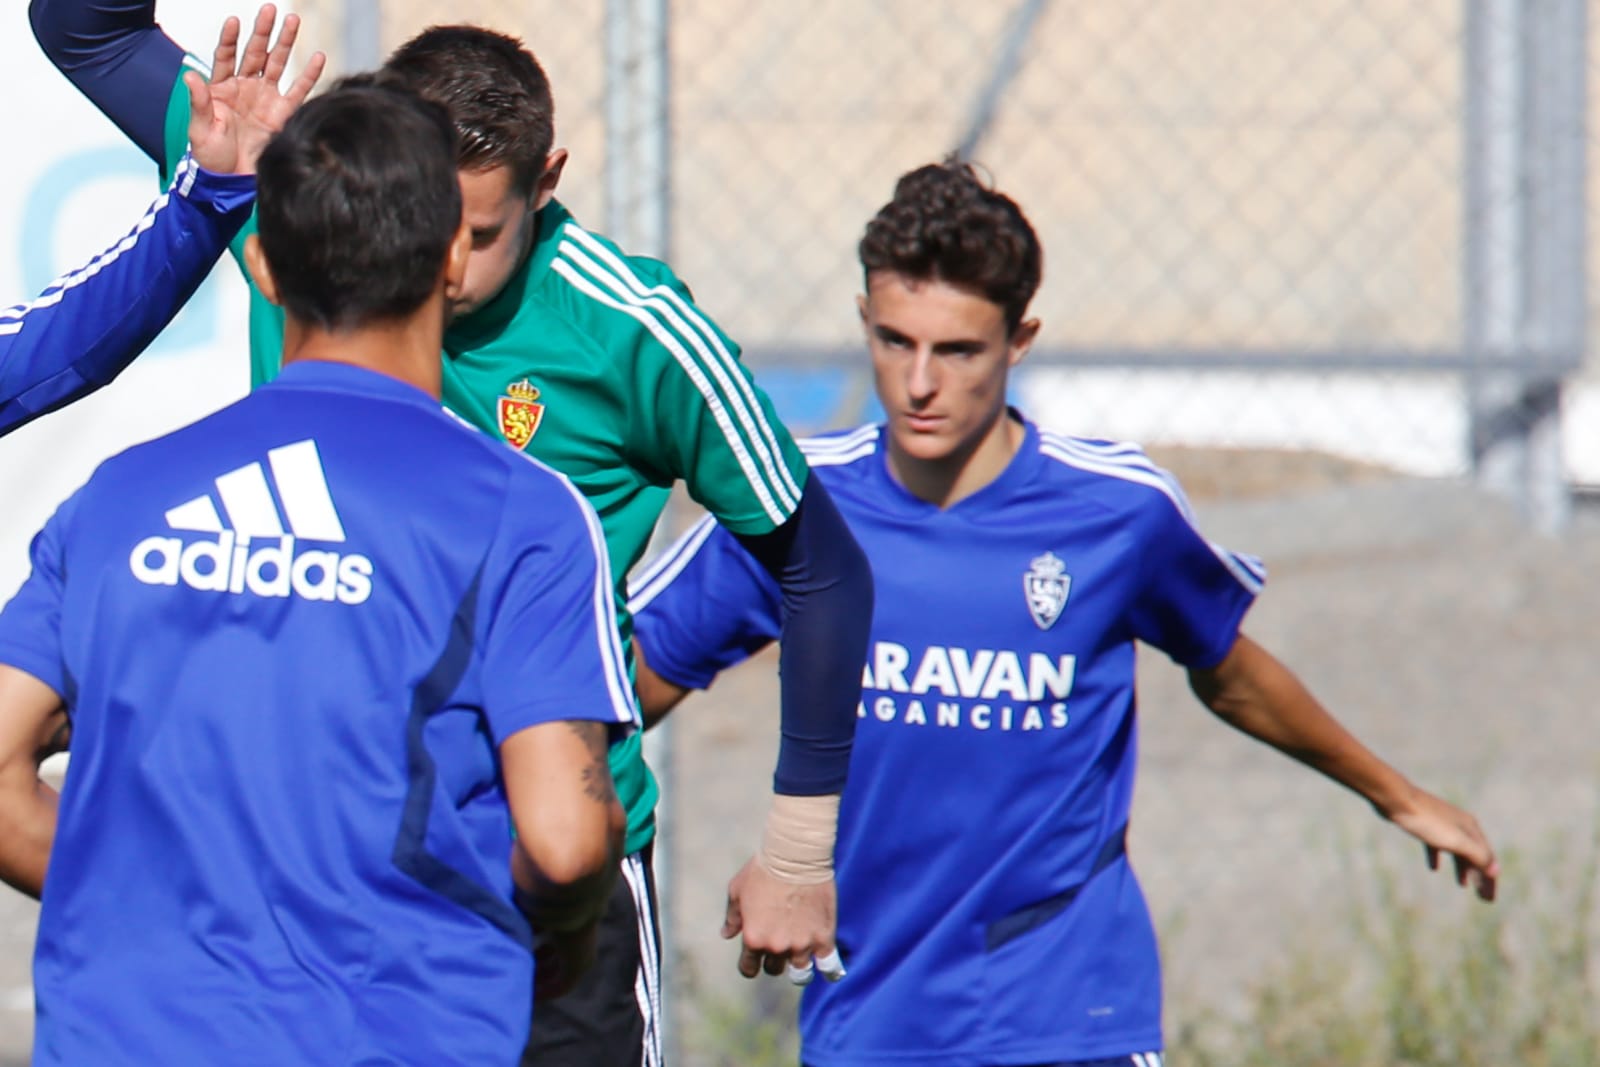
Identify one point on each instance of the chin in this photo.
(925, 447)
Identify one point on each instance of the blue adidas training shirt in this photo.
(986, 909)
(291, 637)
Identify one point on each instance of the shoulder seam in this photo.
(1130, 464)
(698, 351)
(837, 451)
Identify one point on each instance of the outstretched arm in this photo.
(1253, 692)
(83, 330)
(87, 326)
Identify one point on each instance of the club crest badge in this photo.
(1046, 585)
(520, 413)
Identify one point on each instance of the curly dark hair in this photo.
(495, 91)
(946, 224)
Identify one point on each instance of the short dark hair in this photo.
(359, 200)
(495, 91)
(947, 224)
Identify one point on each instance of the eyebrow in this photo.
(889, 333)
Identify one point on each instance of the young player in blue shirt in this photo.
(987, 913)
(322, 651)
(89, 324)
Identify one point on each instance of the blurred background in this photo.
(1328, 260)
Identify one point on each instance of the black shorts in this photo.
(613, 1017)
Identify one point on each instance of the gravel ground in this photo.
(1453, 640)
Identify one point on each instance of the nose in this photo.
(921, 377)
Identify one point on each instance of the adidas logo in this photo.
(228, 564)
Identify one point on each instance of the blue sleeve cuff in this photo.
(222, 193)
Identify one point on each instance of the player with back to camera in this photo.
(600, 364)
(322, 650)
(89, 324)
(988, 914)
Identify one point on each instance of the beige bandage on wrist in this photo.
(798, 844)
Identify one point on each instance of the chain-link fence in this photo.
(1327, 258)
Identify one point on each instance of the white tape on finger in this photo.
(831, 966)
(799, 975)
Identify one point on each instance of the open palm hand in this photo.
(232, 117)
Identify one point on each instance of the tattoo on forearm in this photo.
(597, 784)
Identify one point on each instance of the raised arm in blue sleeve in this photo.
(87, 326)
(117, 56)
(827, 618)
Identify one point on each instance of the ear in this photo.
(1022, 340)
(545, 190)
(861, 309)
(455, 261)
(255, 261)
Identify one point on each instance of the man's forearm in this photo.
(569, 823)
(562, 907)
(1256, 694)
(27, 828)
(827, 617)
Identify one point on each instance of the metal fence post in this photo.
(638, 126)
(361, 39)
(638, 214)
(1525, 231)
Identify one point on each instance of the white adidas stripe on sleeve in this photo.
(648, 582)
(706, 342)
(618, 685)
(1134, 466)
(774, 511)
(13, 319)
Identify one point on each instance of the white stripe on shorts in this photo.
(647, 983)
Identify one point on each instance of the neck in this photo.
(408, 349)
(947, 481)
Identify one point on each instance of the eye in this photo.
(482, 239)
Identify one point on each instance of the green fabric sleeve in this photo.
(705, 418)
